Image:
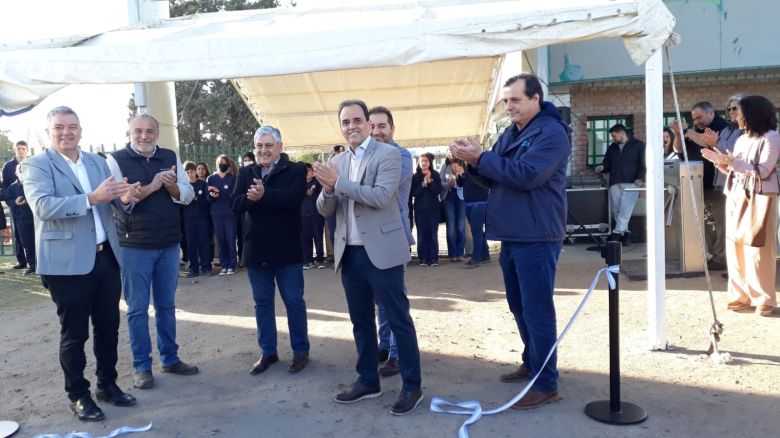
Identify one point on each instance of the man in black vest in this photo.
(149, 239)
(625, 164)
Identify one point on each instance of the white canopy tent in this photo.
(436, 63)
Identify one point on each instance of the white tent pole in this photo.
(656, 268)
(543, 68)
(157, 99)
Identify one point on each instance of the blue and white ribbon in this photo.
(114, 433)
(473, 409)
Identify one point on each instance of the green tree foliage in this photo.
(211, 112)
(6, 147)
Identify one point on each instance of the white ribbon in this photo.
(114, 433)
(474, 409)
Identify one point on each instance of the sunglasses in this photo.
(732, 108)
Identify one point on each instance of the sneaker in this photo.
(765, 310)
(143, 380)
(453, 259)
(307, 266)
(230, 271)
(30, 271)
(423, 264)
(357, 392)
(320, 265)
(208, 273)
(407, 401)
(223, 271)
(471, 264)
(458, 259)
(434, 264)
(390, 368)
(181, 369)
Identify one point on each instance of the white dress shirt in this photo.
(80, 170)
(355, 158)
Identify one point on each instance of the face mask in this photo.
(223, 167)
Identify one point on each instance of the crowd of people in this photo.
(127, 215)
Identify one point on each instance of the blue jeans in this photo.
(363, 283)
(476, 214)
(455, 215)
(529, 278)
(289, 278)
(427, 235)
(152, 272)
(225, 229)
(386, 337)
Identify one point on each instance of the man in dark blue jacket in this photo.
(526, 173)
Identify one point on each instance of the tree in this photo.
(211, 112)
(6, 147)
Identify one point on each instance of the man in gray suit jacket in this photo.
(361, 188)
(69, 192)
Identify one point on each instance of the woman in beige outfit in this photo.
(751, 269)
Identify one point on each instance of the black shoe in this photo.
(715, 266)
(20, 266)
(85, 409)
(143, 380)
(181, 368)
(261, 365)
(390, 368)
(357, 392)
(614, 237)
(192, 274)
(407, 401)
(383, 355)
(30, 271)
(626, 239)
(299, 362)
(112, 394)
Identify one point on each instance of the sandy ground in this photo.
(467, 338)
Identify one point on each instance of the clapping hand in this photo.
(466, 149)
(256, 190)
(327, 175)
(108, 190)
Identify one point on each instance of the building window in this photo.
(598, 136)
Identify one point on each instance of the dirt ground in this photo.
(467, 338)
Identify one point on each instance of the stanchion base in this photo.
(629, 413)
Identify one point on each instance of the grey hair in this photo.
(268, 130)
(738, 97)
(143, 116)
(60, 110)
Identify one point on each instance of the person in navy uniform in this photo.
(196, 225)
(23, 220)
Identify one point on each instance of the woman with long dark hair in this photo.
(221, 186)
(751, 269)
(669, 153)
(426, 187)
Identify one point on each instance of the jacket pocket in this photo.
(56, 235)
(390, 226)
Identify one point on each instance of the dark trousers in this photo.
(428, 235)
(363, 283)
(313, 226)
(240, 234)
(529, 279)
(18, 247)
(183, 243)
(25, 227)
(225, 229)
(476, 214)
(196, 232)
(79, 298)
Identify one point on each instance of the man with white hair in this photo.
(269, 194)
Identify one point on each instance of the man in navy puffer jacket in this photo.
(526, 174)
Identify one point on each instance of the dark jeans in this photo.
(476, 214)
(529, 278)
(427, 235)
(18, 247)
(196, 232)
(25, 227)
(455, 215)
(289, 278)
(313, 226)
(79, 298)
(225, 229)
(363, 283)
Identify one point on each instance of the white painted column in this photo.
(157, 99)
(543, 69)
(656, 268)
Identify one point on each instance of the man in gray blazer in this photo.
(361, 188)
(69, 192)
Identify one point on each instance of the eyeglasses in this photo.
(732, 108)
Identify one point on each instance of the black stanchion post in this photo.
(614, 411)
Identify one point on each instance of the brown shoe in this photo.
(534, 399)
(390, 368)
(518, 375)
(739, 306)
(765, 310)
(261, 365)
(299, 362)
